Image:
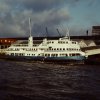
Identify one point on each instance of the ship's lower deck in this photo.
(58, 60)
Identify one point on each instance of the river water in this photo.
(41, 81)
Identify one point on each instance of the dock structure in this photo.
(92, 52)
(93, 56)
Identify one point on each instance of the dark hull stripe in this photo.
(33, 58)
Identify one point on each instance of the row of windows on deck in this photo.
(50, 49)
(63, 54)
(17, 49)
(47, 55)
(17, 45)
(71, 49)
(21, 54)
(62, 42)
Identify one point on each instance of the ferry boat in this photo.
(60, 50)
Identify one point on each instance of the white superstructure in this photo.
(63, 47)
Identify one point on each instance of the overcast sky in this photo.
(77, 15)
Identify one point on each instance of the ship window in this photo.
(73, 42)
(63, 54)
(56, 55)
(77, 54)
(66, 54)
(73, 54)
(70, 54)
(57, 48)
(53, 55)
(54, 48)
(63, 48)
(48, 55)
(50, 48)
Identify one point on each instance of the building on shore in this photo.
(96, 30)
(86, 43)
(6, 42)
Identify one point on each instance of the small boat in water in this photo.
(60, 50)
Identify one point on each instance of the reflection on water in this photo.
(39, 81)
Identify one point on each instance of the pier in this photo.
(92, 52)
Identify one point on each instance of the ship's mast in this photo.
(30, 30)
(68, 33)
(30, 40)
